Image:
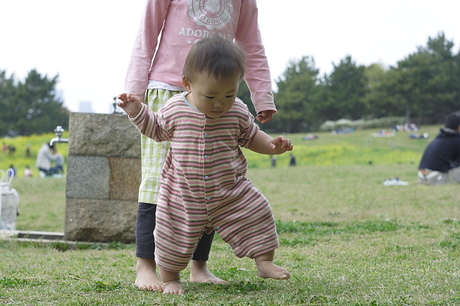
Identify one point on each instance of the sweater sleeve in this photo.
(145, 45)
(257, 73)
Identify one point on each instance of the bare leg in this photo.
(146, 275)
(199, 273)
(267, 269)
(171, 282)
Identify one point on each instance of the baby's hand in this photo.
(130, 104)
(280, 145)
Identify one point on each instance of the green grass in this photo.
(357, 148)
(345, 237)
(41, 204)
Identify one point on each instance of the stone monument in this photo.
(103, 177)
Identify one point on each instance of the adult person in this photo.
(440, 160)
(58, 162)
(167, 32)
(44, 158)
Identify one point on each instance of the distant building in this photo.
(85, 107)
(114, 108)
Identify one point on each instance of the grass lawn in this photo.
(345, 237)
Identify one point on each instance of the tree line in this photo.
(423, 87)
(31, 106)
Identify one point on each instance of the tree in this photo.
(441, 88)
(297, 98)
(7, 99)
(245, 94)
(31, 106)
(346, 91)
(425, 84)
(375, 99)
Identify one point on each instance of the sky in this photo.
(88, 42)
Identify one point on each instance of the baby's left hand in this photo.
(280, 145)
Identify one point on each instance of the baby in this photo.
(204, 185)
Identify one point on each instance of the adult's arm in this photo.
(145, 44)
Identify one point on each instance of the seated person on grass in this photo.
(440, 161)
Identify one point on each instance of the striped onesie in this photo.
(204, 184)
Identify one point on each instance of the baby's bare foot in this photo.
(268, 269)
(199, 273)
(146, 276)
(172, 287)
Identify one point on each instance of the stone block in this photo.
(125, 178)
(88, 177)
(111, 135)
(100, 220)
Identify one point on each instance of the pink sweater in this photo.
(183, 22)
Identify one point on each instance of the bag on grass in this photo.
(9, 203)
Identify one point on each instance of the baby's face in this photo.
(212, 97)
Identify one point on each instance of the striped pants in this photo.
(246, 222)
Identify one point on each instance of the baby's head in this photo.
(216, 56)
(212, 73)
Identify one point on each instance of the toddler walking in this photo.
(204, 185)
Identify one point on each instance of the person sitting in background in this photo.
(58, 162)
(440, 160)
(11, 171)
(27, 172)
(44, 158)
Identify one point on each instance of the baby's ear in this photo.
(186, 83)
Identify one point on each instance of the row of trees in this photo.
(423, 87)
(31, 106)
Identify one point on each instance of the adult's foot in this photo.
(146, 275)
(199, 273)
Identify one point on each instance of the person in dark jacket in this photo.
(440, 160)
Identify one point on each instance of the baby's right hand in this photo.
(130, 104)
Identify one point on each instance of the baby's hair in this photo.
(217, 56)
(453, 120)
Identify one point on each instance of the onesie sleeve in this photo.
(248, 128)
(149, 124)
